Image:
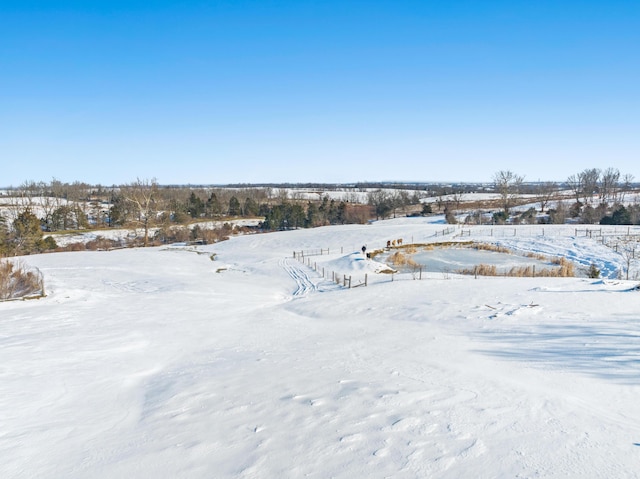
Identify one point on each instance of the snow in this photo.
(160, 362)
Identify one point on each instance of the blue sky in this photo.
(317, 91)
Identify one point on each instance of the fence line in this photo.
(608, 236)
(527, 231)
(342, 279)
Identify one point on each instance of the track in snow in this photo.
(301, 276)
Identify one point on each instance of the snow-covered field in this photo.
(161, 363)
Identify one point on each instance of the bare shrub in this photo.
(215, 235)
(75, 247)
(102, 244)
(18, 281)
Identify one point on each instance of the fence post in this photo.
(365, 280)
(344, 279)
(420, 272)
(349, 282)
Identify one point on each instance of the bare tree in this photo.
(576, 186)
(281, 194)
(627, 179)
(142, 196)
(507, 184)
(545, 192)
(49, 203)
(628, 248)
(589, 183)
(609, 186)
(395, 201)
(558, 215)
(381, 201)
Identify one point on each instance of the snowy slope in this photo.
(162, 363)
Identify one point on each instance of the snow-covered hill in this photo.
(162, 363)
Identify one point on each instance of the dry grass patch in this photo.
(537, 256)
(481, 270)
(566, 270)
(491, 247)
(400, 259)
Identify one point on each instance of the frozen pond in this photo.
(452, 260)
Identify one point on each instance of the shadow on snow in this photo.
(606, 351)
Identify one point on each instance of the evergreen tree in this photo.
(426, 209)
(323, 211)
(250, 207)
(295, 215)
(333, 213)
(5, 245)
(312, 215)
(620, 216)
(61, 218)
(213, 207)
(81, 219)
(234, 207)
(27, 232)
(274, 218)
(341, 213)
(285, 216)
(179, 213)
(195, 206)
(119, 211)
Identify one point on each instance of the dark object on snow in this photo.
(364, 248)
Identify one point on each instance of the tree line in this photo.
(591, 196)
(37, 208)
